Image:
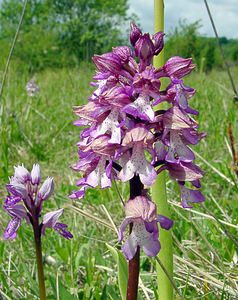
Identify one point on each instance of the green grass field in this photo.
(40, 130)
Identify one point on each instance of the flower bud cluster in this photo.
(25, 202)
(124, 133)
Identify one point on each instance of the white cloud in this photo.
(224, 13)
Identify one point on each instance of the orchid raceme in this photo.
(125, 136)
(25, 201)
(32, 88)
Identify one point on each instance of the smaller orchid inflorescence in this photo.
(32, 88)
(127, 136)
(25, 201)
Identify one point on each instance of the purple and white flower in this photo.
(25, 202)
(141, 213)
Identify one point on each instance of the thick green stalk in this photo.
(165, 288)
(39, 261)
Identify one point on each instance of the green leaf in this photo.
(63, 292)
(122, 270)
(63, 253)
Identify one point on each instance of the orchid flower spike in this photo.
(25, 202)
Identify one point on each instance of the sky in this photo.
(225, 15)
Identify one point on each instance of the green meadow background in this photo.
(40, 129)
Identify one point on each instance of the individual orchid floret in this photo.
(111, 124)
(46, 189)
(101, 175)
(18, 189)
(178, 67)
(135, 34)
(35, 174)
(21, 174)
(108, 62)
(144, 49)
(175, 119)
(141, 213)
(146, 82)
(138, 138)
(158, 41)
(190, 196)
(179, 94)
(141, 108)
(25, 201)
(183, 171)
(12, 227)
(178, 150)
(123, 52)
(50, 220)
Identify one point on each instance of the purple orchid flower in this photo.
(50, 221)
(178, 67)
(139, 139)
(141, 212)
(26, 199)
(126, 137)
(190, 196)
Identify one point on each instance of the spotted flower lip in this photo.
(141, 108)
(111, 124)
(141, 212)
(178, 150)
(138, 138)
(26, 199)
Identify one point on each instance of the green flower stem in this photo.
(165, 288)
(39, 261)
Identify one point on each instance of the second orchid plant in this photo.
(24, 202)
(126, 138)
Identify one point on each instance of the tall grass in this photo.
(40, 129)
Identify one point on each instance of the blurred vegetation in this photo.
(63, 33)
(186, 41)
(59, 33)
